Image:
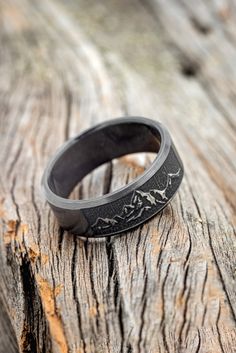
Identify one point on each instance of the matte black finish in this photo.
(127, 207)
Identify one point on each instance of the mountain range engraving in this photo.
(140, 202)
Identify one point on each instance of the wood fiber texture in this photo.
(170, 285)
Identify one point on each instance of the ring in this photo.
(128, 206)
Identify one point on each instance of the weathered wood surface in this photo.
(168, 286)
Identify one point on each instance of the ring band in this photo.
(127, 207)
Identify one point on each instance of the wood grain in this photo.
(170, 285)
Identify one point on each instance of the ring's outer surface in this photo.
(127, 207)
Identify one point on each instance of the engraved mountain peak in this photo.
(140, 202)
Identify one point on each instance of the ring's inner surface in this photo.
(98, 146)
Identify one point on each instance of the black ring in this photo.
(127, 207)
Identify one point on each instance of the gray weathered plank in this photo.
(168, 286)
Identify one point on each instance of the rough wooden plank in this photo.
(168, 286)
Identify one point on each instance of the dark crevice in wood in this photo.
(189, 68)
(61, 234)
(188, 325)
(139, 239)
(121, 325)
(75, 295)
(221, 19)
(86, 244)
(110, 257)
(204, 283)
(194, 198)
(185, 321)
(199, 342)
(185, 286)
(187, 257)
(137, 246)
(204, 315)
(129, 348)
(12, 191)
(144, 271)
(31, 341)
(200, 26)
(28, 335)
(144, 305)
(145, 228)
(181, 204)
(54, 286)
(162, 323)
(159, 258)
(218, 330)
(116, 291)
(197, 22)
(93, 288)
(185, 280)
(127, 246)
(128, 344)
